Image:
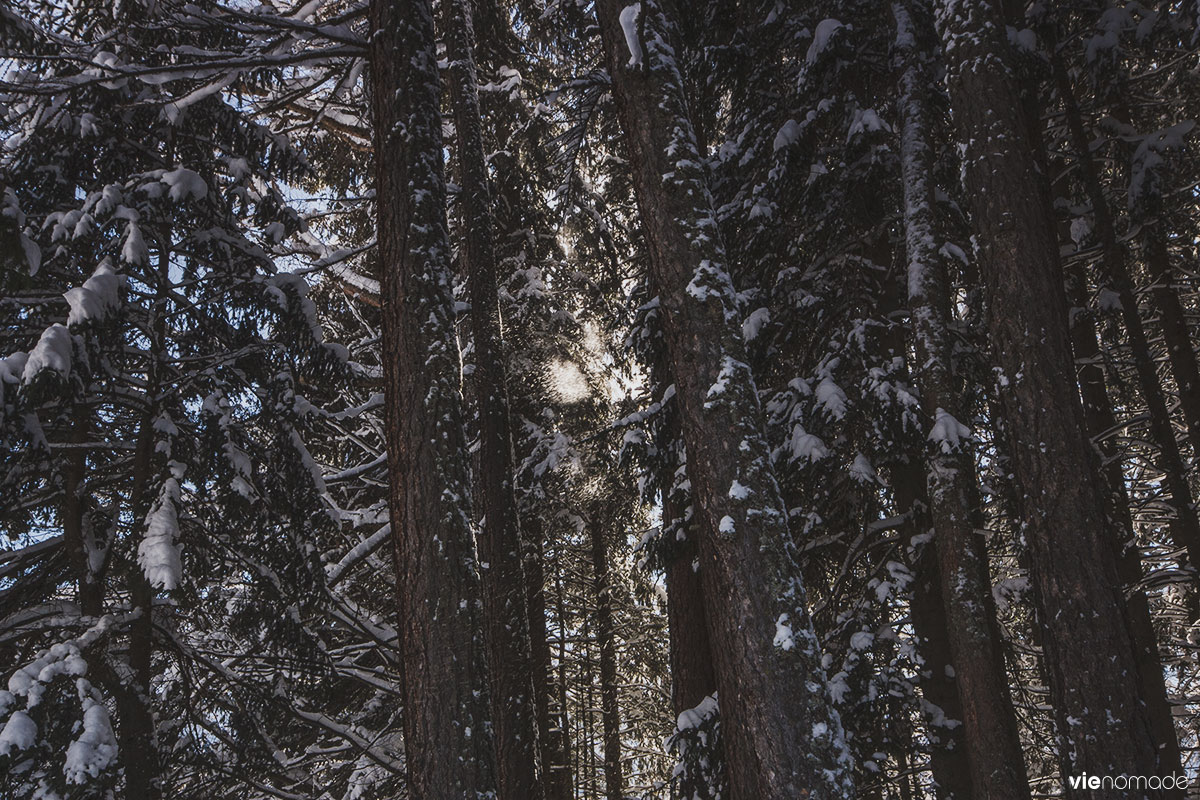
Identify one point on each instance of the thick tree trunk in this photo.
(446, 748)
(1090, 655)
(692, 675)
(948, 760)
(510, 669)
(990, 726)
(606, 642)
(782, 736)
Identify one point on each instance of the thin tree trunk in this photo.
(1185, 527)
(510, 668)
(1100, 419)
(990, 725)
(606, 642)
(782, 736)
(1090, 654)
(446, 749)
(1177, 335)
(552, 728)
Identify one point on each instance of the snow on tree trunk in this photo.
(783, 737)
(446, 743)
(509, 659)
(1089, 653)
(993, 744)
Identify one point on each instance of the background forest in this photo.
(557, 399)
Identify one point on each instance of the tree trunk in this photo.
(606, 641)
(990, 725)
(1100, 420)
(781, 734)
(510, 668)
(1178, 337)
(446, 749)
(692, 676)
(1185, 527)
(552, 724)
(1090, 654)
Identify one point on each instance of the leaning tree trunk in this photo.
(510, 667)
(1089, 652)
(993, 744)
(1177, 335)
(446, 747)
(1185, 527)
(782, 736)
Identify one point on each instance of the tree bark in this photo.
(446, 749)
(782, 736)
(1090, 654)
(606, 642)
(990, 726)
(551, 709)
(510, 668)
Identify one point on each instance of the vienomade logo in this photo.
(1127, 782)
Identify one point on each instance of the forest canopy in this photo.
(596, 400)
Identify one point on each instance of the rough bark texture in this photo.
(692, 675)
(948, 760)
(510, 669)
(782, 736)
(446, 749)
(1089, 653)
(990, 726)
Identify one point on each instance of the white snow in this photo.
(29, 681)
(754, 323)
(784, 637)
(158, 553)
(861, 470)
(134, 250)
(20, 733)
(738, 492)
(821, 36)
(99, 295)
(831, 397)
(629, 18)
(806, 446)
(861, 640)
(96, 747)
(787, 135)
(726, 525)
(948, 432)
(693, 717)
(53, 351)
(838, 687)
(183, 183)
